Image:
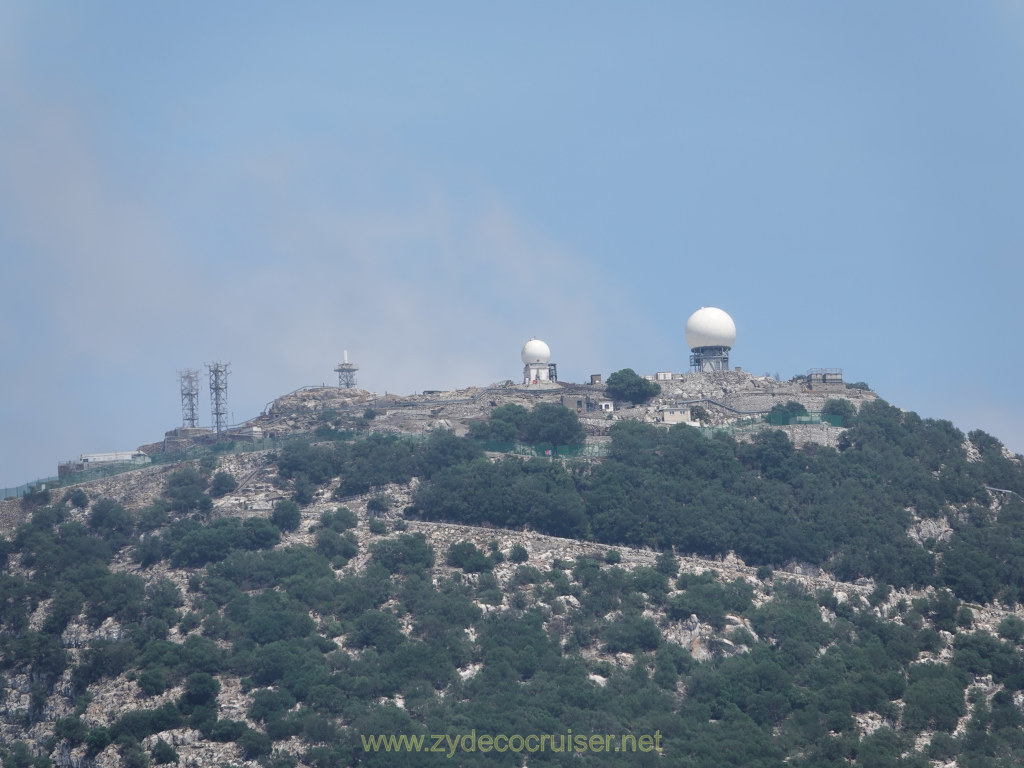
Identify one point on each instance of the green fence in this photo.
(741, 427)
(813, 417)
(772, 420)
(560, 451)
(20, 490)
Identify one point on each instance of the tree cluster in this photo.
(546, 424)
(769, 502)
(630, 386)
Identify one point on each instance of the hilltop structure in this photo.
(346, 373)
(722, 397)
(536, 368)
(710, 334)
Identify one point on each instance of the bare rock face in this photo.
(193, 749)
(12, 514)
(311, 400)
(819, 434)
(936, 529)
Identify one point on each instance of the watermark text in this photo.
(450, 744)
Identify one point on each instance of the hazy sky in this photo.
(428, 185)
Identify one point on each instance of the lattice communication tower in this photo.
(189, 379)
(218, 373)
(346, 373)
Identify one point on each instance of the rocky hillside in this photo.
(250, 608)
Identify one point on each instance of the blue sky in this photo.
(430, 185)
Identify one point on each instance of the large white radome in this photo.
(535, 351)
(710, 327)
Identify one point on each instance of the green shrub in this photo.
(1012, 629)
(200, 688)
(96, 741)
(525, 574)
(379, 504)
(152, 681)
(667, 563)
(339, 520)
(934, 698)
(336, 547)
(77, 498)
(631, 635)
(185, 491)
(223, 483)
(163, 753)
(404, 554)
(227, 730)
(465, 555)
(70, 729)
(108, 518)
(286, 515)
(842, 408)
(254, 744)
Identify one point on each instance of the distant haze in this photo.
(430, 186)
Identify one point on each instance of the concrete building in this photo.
(675, 414)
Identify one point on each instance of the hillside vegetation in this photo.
(183, 630)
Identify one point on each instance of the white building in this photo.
(115, 457)
(675, 414)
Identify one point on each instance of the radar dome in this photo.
(535, 351)
(710, 327)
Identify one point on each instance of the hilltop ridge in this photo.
(726, 396)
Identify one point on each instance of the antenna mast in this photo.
(189, 379)
(346, 373)
(218, 373)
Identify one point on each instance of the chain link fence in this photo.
(561, 451)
